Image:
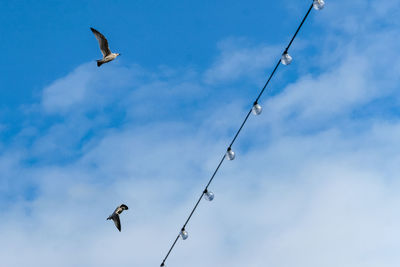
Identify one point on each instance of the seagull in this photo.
(115, 215)
(105, 50)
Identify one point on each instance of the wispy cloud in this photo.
(237, 60)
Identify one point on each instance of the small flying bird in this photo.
(115, 215)
(105, 50)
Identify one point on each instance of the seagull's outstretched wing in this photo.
(105, 50)
(117, 222)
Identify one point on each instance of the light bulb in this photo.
(286, 59)
(184, 234)
(208, 195)
(257, 109)
(318, 4)
(230, 154)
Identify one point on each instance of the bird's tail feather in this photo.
(99, 63)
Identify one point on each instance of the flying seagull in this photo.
(115, 215)
(105, 50)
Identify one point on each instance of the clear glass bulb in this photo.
(286, 59)
(318, 4)
(230, 154)
(257, 109)
(184, 234)
(209, 195)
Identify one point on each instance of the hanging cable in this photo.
(286, 59)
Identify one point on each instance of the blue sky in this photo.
(150, 33)
(315, 181)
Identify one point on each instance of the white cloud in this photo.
(238, 60)
(68, 91)
(88, 87)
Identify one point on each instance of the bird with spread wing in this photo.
(115, 215)
(105, 50)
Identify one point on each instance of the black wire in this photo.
(241, 127)
(237, 134)
(269, 79)
(298, 29)
(209, 182)
(173, 245)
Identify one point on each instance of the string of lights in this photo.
(256, 109)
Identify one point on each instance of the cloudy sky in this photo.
(316, 178)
